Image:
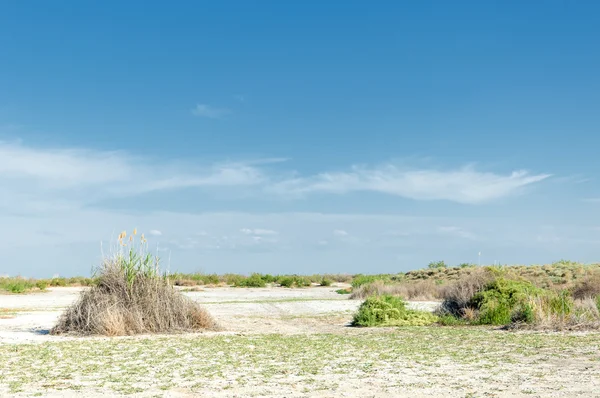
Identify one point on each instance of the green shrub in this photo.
(325, 282)
(503, 300)
(58, 282)
(343, 291)
(211, 279)
(361, 279)
(389, 310)
(41, 284)
(233, 279)
(523, 314)
(294, 280)
(302, 281)
(17, 286)
(598, 302)
(286, 281)
(254, 280)
(436, 265)
(268, 278)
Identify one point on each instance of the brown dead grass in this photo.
(589, 287)
(457, 295)
(584, 316)
(421, 290)
(115, 307)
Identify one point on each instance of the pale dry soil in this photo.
(282, 342)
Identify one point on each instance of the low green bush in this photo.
(294, 280)
(437, 264)
(325, 282)
(449, 320)
(16, 285)
(389, 310)
(503, 301)
(232, 279)
(286, 281)
(302, 281)
(254, 280)
(58, 282)
(361, 279)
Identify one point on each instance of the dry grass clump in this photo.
(131, 297)
(458, 295)
(589, 287)
(420, 290)
(572, 315)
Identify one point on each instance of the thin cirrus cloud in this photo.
(258, 231)
(211, 112)
(464, 185)
(78, 175)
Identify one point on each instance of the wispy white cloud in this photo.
(49, 179)
(340, 232)
(258, 231)
(155, 232)
(211, 112)
(44, 179)
(464, 185)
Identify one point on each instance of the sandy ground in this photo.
(28, 318)
(282, 342)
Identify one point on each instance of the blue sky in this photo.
(299, 137)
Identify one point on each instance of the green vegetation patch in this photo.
(389, 310)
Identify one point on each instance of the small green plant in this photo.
(361, 279)
(17, 287)
(41, 284)
(325, 282)
(58, 282)
(436, 264)
(344, 291)
(449, 320)
(135, 261)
